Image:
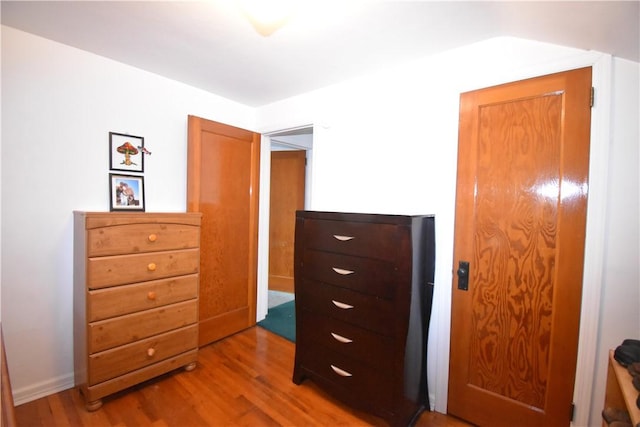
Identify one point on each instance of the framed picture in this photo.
(127, 192)
(126, 152)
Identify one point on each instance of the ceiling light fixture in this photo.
(267, 16)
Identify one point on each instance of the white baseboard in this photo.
(45, 388)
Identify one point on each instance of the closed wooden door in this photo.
(287, 196)
(222, 183)
(520, 224)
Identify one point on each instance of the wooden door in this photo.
(520, 223)
(287, 196)
(222, 183)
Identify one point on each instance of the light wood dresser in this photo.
(363, 290)
(620, 393)
(135, 298)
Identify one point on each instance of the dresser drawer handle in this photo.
(342, 271)
(341, 305)
(151, 352)
(341, 372)
(151, 266)
(151, 295)
(340, 338)
(343, 238)
(152, 237)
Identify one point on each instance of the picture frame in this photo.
(126, 152)
(127, 192)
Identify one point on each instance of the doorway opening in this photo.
(285, 187)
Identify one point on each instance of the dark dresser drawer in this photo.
(374, 314)
(352, 238)
(366, 275)
(374, 386)
(372, 349)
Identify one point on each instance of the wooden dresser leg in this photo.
(94, 406)
(190, 367)
(298, 377)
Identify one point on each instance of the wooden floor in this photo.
(243, 380)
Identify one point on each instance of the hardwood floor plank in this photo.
(243, 380)
(57, 407)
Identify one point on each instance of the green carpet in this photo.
(281, 320)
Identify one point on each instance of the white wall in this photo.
(387, 143)
(620, 311)
(58, 106)
(383, 143)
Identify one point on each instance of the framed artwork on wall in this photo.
(127, 192)
(126, 152)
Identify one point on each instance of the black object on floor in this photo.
(281, 320)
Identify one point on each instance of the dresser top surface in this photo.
(105, 219)
(361, 217)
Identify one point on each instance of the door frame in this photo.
(594, 241)
(267, 140)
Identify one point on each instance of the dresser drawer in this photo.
(370, 385)
(123, 269)
(374, 350)
(105, 388)
(353, 238)
(126, 329)
(134, 238)
(119, 300)
(120, 360)
(365, 275)
(355, 308)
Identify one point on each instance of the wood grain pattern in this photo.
(286, 196)
(243, 380)
(108, 271)
(105, 334)
(97, 220)
(523, 163)
(129, 328)
(132, 238)
(222, 183)
(118, 361)
(119, 300)
(516, 214)
(392, 383)
(620, 393)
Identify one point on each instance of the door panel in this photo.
(520, 223)
(222, 183)
(287, 196)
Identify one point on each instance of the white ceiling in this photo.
(209, 45)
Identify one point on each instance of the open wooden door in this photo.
(521, 201)
(287, 196)
(222, 183)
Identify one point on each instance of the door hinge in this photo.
(592, 99)
(573, 411)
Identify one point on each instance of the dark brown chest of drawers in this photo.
(363, 288)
